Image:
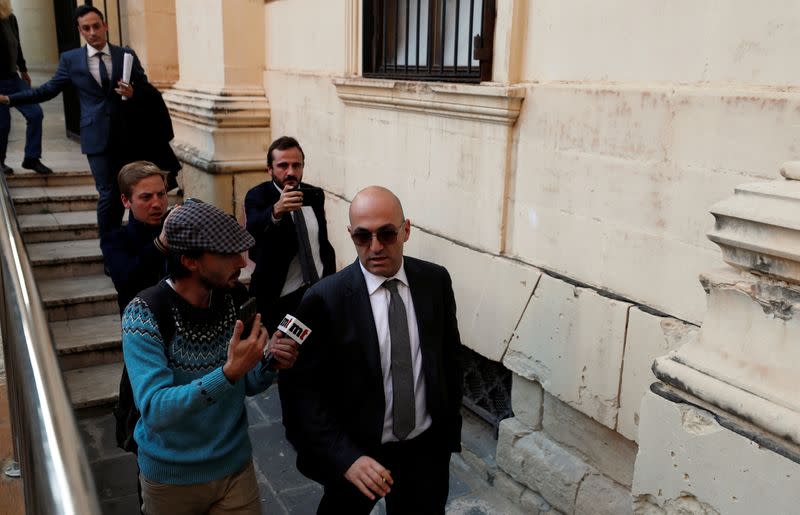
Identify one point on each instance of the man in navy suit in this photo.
(95, 71)
(373, 402)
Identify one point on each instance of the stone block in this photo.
(490, 303)
(571, 340)
(611, 453)
(537, 461)
(599, 495)
(750, 43)
(535, 504)
(648, 337)
(507, 487)
(527, 399)
(684, 453)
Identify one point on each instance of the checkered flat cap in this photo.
(200, 226)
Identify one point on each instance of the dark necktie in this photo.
(105, 81)
(403, 409)
(304, 254)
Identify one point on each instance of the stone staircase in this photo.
(57, 218)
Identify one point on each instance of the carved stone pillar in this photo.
(219, 108)
(720, 431)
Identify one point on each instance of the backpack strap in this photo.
(157, 299)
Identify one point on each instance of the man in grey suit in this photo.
(95, 71)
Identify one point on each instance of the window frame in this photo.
(374, 34)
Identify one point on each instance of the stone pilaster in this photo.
(150, 30)
(721, 430)
(219, 108)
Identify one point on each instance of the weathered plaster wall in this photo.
(575, 236)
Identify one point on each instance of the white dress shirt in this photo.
(294, 275)
(379, 299)
(94, 62)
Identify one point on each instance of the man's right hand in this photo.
(291, 200)
(370, 477)
(4, 100)
(243, 355)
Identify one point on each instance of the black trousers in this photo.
(421, 472)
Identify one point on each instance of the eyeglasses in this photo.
(283, 165)
(385, 235)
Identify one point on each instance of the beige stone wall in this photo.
(575, 232)
(37, 32)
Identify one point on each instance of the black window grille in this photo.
(487, 387)
(443, 40)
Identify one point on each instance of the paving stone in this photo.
(126, 505)
(267, 404)
(99, 439)
(84, 334)
(276, 457)
(302, 500)
(59, 252)
(115, 477)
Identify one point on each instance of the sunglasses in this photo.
(385, 235)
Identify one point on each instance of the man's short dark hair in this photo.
(83, 10)
(175, 268)
(284, 143)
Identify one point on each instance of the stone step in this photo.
(56, 199)
(78, 297)
(62, 176)
(63, 226)
(52, 260)
(84, 342)
(93, 387)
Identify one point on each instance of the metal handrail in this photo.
(56, 475)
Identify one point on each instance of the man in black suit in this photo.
(373, 403)
(95, 70)
(287, 219)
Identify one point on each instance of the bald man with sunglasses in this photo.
(373, 402)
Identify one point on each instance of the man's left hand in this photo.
(284, 349)
(124, 89)
(26, 77)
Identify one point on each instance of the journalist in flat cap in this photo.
(191, 367)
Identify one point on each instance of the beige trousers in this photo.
(236, 493)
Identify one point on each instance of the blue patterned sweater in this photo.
(193, 427)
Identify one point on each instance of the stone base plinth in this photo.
(690, 464)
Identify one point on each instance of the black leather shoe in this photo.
(7, 170)
(37, 166)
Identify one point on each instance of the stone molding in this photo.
(483, 103)
(195, 157)
(220, 107)
(758, 229)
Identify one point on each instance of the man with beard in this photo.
(287, 219)
(194, 453)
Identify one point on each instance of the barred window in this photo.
(443, 40)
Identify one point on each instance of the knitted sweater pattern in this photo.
(193, 427)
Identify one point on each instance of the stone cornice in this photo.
(758, 229)
(484, 103)
(219, 108)
(195, 157)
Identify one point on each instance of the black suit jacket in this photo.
(276, 244)
(333, 400)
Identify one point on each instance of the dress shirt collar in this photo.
(376, 281)
(92, 51)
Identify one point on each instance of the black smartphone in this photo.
(247, 314)
(312, 196)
